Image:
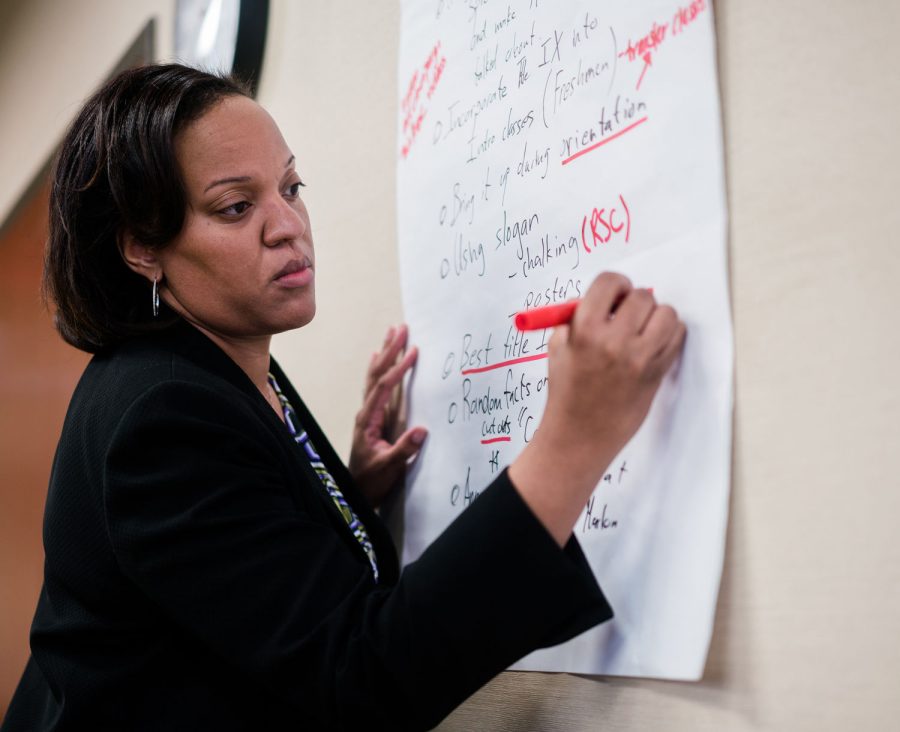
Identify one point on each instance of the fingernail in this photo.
(419, 436)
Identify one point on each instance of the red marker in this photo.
(550, 316)
(546, 317)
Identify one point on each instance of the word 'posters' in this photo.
(540, 144)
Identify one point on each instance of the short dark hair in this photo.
(116, 172)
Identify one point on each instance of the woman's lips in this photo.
(296, 273)
(300, 278)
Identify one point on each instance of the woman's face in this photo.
(242, 265)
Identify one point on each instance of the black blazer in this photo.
(198, 577)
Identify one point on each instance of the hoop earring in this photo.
(155, 297)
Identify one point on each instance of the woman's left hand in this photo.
(377, 462)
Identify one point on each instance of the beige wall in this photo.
(52, 55)
(808, 628)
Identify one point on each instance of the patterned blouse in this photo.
(328, 482)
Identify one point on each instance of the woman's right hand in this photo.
(604, 370)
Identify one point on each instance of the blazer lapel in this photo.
(190, 343)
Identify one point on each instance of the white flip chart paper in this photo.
(541, 143)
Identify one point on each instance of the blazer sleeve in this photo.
(201, 521)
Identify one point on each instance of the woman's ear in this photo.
(139, 257)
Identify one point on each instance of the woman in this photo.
(210, 563)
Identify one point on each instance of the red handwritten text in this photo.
(644, 48)
(419, 91)
(685, 16)
(603, 224)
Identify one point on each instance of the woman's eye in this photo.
(294, 188)
(235, 209)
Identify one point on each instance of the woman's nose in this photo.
(284, 222)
